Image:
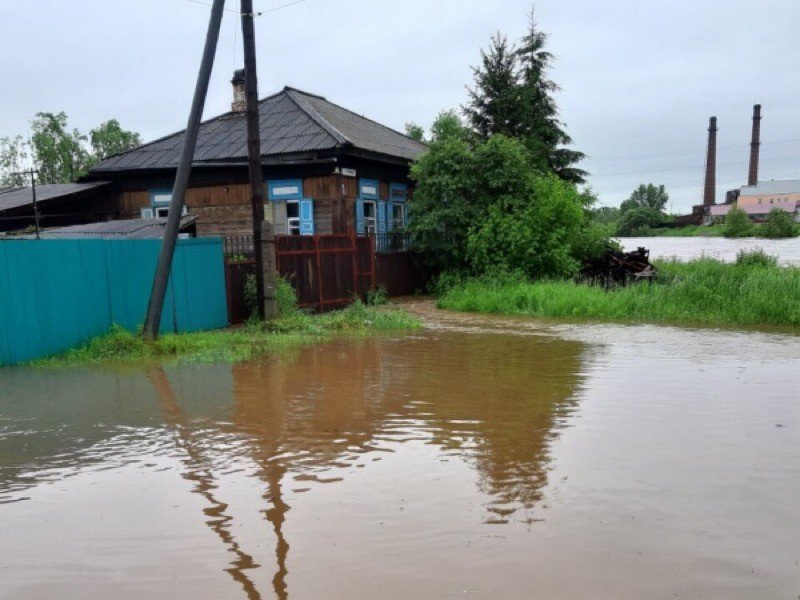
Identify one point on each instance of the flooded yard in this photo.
(482, 457)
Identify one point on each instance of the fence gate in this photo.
(326, 270)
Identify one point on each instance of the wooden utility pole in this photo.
(263, 248)
(161, 279)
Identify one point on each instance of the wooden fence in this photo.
(326, 271)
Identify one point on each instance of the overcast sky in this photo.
(639, 78)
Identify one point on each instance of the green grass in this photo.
(718, 230)
(688, 231)
(751, 293)
(295, 328)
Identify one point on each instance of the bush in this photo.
(537, 234)
(737, 224)
(779, 224)
(636, 221)
(756, 258)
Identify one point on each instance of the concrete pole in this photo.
(263, 229)
(161, 279)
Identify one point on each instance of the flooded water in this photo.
(486, 458)
(725, 249)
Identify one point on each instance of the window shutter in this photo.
(389, 215)
(279, 214)
(381, 217)
(146, 213)
(360, 217)
(306, 217)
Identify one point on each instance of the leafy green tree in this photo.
(737, 223)
(536, 232)
(60, 155)
(779, 224)
(444, 206)
(12, 161)
(638, 220)
(606, 214)
(647, 196)
(415, 132)
(543, 132)
(110, 138)
(481, 205)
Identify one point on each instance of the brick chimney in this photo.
(710, 190)
(239, 103)
(755, 146)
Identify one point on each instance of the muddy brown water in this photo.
(481, 457)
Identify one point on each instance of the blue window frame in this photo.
(369, 189)
(398, 192)
(285, 189)
(160, 197)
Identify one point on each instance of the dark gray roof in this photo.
(18, 197)
(292, 121)
(131, 229)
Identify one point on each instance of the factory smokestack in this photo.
(709, 193)
(755, 146)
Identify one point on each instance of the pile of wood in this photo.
(619, 268)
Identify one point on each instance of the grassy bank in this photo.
(687, 231)
(294, 328)
(752, 292)
(757, 231)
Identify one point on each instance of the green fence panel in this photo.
(56, 294)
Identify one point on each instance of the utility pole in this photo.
(35, 205)
(161, 279)
(265, 292)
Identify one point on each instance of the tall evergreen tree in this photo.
(544, 133)
(494, 102)
(514, 96)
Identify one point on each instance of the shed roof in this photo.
(776, 187)
(11, 198)
(130, 229)
(291, 121)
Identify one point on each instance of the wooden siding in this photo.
(224, 210)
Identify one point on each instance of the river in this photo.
(725, 249)
(481, 457)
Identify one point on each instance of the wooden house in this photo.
(327, 169)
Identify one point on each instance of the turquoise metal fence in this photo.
(56, 294)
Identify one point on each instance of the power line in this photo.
(255, 13)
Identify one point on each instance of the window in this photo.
(293, 218)
(398, 216)
(398, 192)
(370, 218)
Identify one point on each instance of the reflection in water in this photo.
(486, 457)
(490, 400)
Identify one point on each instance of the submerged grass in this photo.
(752, 292)
(294, 328)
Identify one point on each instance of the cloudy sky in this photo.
(639, 78)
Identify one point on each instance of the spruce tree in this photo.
(513, 96)
(544, 134)
(494, 102)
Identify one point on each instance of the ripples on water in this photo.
(481, 456)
